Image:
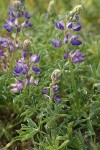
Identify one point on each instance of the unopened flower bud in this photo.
(51, 6)
(26, 44)
(16, 4)
(55, 74)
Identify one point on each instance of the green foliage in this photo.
(28, 116)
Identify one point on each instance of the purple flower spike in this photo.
(45, 90)
(74, 41)
(70, 25)
(58, 98)
(35, 58)
(77, 27)
(8, 27)
(55, 88)
(36, 70)
(1, 52)
(57, 44)
(17, 71)
(59, 25)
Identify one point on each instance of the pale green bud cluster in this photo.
(18, 5)
(26, 44)
(55, 74)
(74, 14)
(51, 5)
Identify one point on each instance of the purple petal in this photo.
(45, 90)
(66, 55)
(70, 25)
(1, 52)
(57, 44)
(77, 27)
(55, 88)
(75, 42)
(8, 27)
(57, 98)
(17, 71)
(59, 25)
(27, 15)
(35, 58)
(36, 70)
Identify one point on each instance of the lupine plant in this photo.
(49, 90)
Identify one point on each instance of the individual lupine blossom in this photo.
(70, 26)
(14, 15)
(17, 86)
(22, 66)
(74, 40)
(7, 43)
(76, 56)
(52, 90)
(56, 43)
(1, 52)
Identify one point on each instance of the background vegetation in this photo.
(30, 122)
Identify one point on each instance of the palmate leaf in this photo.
(27, 131)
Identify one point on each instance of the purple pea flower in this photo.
(1, 40)
(27, 80)
(24, 54)
(70, 25)
(27, 24)
(16, 87)
(66, 55)
(45, 90)
(77, 56)
(8, 27)
(66, 38)
(59, 25)
(11, 12)
(17, 71)
(36, 70)
(75, 41)
(5, 44)
(77, 27)
(55, 88)
(58, 98)
(27, 15)
(12, 48)
(10, 21)
(57, 44)
(1, 52)
(35, 58)
(25, 70)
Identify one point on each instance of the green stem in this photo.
(77, 100)
(8, 145)
(72, 74)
